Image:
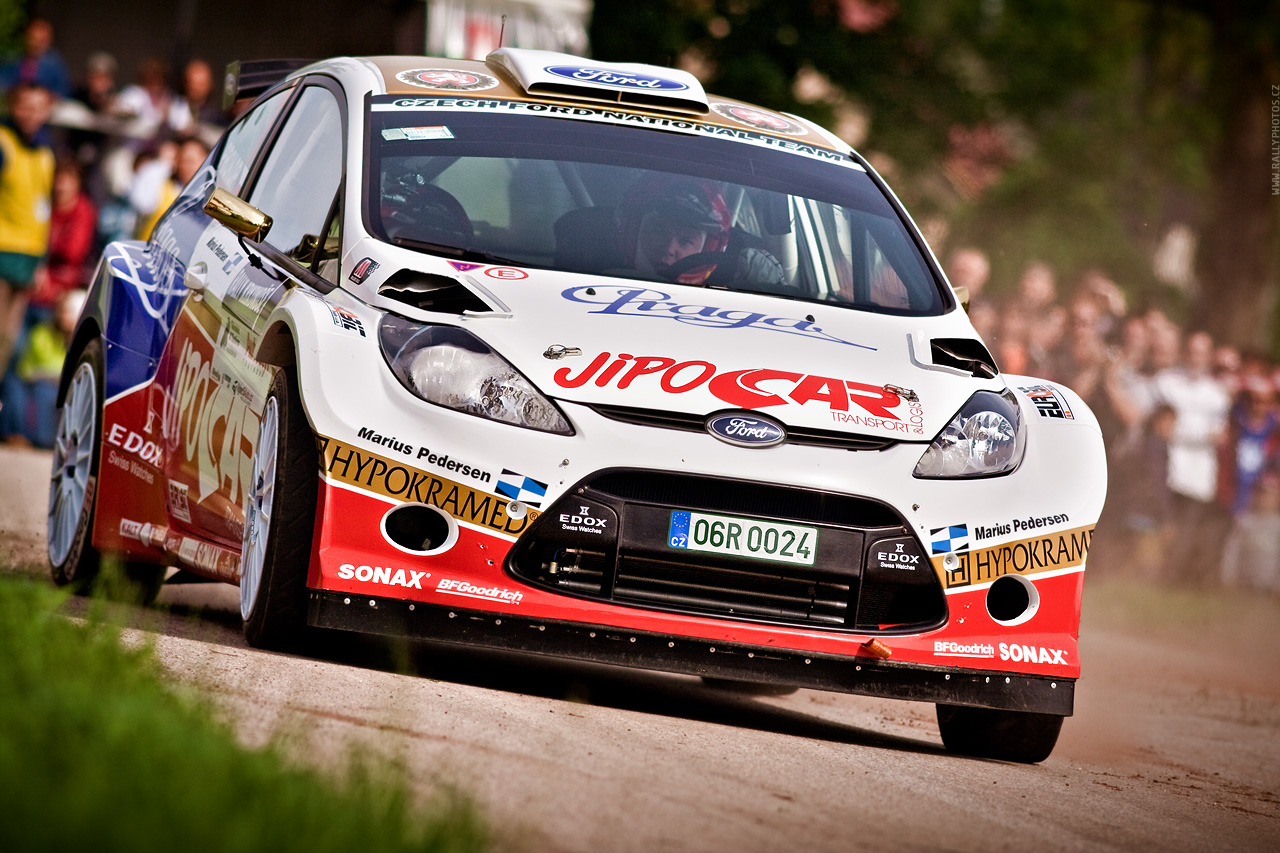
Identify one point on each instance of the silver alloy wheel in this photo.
(72, 457)
(257, 516)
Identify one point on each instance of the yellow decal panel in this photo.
(390, 478)
(1050, 552)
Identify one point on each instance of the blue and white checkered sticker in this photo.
(518, 487)
(944, 540)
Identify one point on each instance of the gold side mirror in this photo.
(962, 296)
(238, 215)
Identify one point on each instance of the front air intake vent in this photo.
(431, 292)
(858, 566)
(965, 354)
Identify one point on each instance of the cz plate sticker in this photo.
(742, 537)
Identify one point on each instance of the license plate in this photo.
(743, 537)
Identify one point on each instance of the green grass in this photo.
(98, 752)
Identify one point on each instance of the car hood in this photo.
(691, 350)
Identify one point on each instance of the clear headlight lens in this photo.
(984, 439)
(455, 369)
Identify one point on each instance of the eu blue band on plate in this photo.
(678, 536)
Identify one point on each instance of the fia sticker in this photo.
(507, 273)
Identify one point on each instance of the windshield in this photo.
(493, 181)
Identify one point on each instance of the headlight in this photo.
(453, 368)
(986, 438)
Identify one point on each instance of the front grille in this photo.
(790, 596)
(744, 497)
(694, 423)
(621, 553)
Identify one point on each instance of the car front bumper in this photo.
(860, 674)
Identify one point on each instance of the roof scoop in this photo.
(561, 75)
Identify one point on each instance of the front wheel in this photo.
(73, 560)
(1021, 736)
(279, 521)
(74, 478)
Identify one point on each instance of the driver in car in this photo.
(679, 229)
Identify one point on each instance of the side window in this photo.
(243, 141)
(301, 176)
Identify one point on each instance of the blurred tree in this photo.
(12, 17)
(1077, 133)
(1238, 256)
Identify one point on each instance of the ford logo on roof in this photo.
(617, 79)
(746, 430)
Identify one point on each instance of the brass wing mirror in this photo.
(238, 215)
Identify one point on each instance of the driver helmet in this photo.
(674, 201)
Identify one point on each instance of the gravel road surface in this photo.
(1175, 744)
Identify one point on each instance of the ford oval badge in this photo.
(617, 79)
(746, 430)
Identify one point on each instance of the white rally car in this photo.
(573, 358)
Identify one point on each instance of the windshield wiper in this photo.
(457, 251)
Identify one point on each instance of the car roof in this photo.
(535, 76)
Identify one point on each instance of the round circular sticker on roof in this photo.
(447, 78)
(617, 79)
(758, 118)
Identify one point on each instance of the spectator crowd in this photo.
(81, 164)
(1192, 429)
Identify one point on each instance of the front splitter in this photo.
(867, 676)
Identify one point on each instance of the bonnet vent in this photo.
(566, 77)
(964, 354)
(431, 292)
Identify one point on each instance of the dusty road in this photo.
(1175, 744)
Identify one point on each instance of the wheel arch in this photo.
(278, 346)
(87, 330)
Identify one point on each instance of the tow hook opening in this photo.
(1012, 600)
(419, 529)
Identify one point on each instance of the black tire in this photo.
(1020, 736)
(274, 603)
(748, 688)
(72, 559)
(81, 566)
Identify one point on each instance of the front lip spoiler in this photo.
(647, 650)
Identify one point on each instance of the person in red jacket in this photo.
(73, 226)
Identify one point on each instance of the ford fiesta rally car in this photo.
(570, 357)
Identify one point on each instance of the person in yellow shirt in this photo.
(26, 185)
